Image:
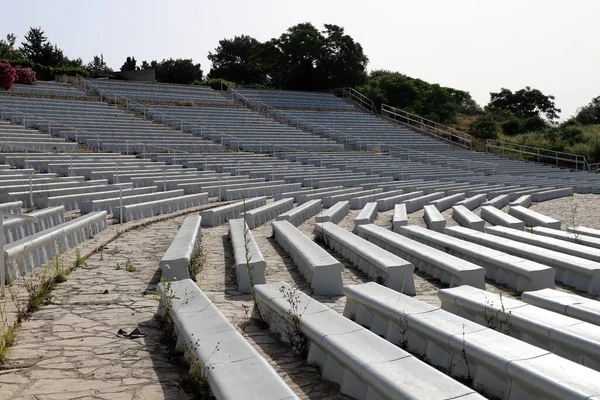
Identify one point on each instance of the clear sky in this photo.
(473, 45)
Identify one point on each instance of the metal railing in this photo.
(538, 154)
(425, 125)
(359, 99)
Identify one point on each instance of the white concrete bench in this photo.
(417, 203)
(218, 215)
(552, 194)
(546, 242)
(523, 201)
(574, 237)
(387, 203)
(433, 218)
(136, 211)
(400, 218)
(446, 202)
(241, 240)
(175, 263)
(449, 269)
(296, 194)
(14, 207)
(367, 215)
(570, 304)
(266, 190)
(515, 272)
(235, 370)
(567, 337)
(108, 204)
(473, 202)
(40, 248)
(329, 201)
(260, 215)
(582, 230)
(40, 197)
(533, 218)
(498, 217)
(365, 366)
(15, 228)
(321, 270)
(467, 218)
(335, 213)
(320, 195)
(300, 214)
(358, 202)
(498, 202)
(570, 270)
(498, 365)
(379, 264)
(73, 201)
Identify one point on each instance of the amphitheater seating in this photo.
(46, 88)
(400, 218)
(290, 99)
(445, 267)
(249, 261)
(16, 229)
(565, 336)
(468, 219)
(367, 215)
(532, 218)
(218, 215)
(14, 137)
(131, 212)
(175, 263)
(497, 217)
(573, 305)
(303, 212)
(335, 213)
(498, 365)
(433, 218)
(515, 272)
(570, 270)
(363, 364)
(260, 215)
(322, 271)
(212, 340)
(574, 237)
(379, 264)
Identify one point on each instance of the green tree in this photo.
(589, 114)
(98, 66)
(129, 64)
(7, 48)
(524, 103)
(484, 127)
(176, 71)
(37, 48)
(236, 60)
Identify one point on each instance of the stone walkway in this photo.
(69, 349)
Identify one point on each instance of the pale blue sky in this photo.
(478, 45)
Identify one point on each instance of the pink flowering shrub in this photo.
(25, 75)
(8, 75)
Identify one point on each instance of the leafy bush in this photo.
(25, 75)
(8, 75)
(47, 73)
(534, 124)
(512, 126)
(484, 127)
(571, 134)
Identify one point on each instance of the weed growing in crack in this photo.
(293, 321)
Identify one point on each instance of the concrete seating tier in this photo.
(303, 212)
(417, 203)
(532, 218)
(212, 340)
(497, 217)
(574, 237)
(249, 261)
(363, 364)
(438, 264)
(329, 201)
(175, 263)
(498, 202)
(523, 201)
(387, 203)
(335, 213)
(582, 230)
(573, 305)
(573, 271)
(15, 207)
(545, 242)
(498, 365)
(218, 215)
(108, 204)
(446, 202)
(567, 337)
(40, 248)
(132, 212)
(312, 195)
(473, 202)
(16, 228)
(291, 99)
(46, 88)
(367, 215)
(358, 202)
(296, 194)
(433, 218)
(321, 270)
(381, 265)
(400, 218)
(260, 215)
(14, 137)
(468, 219)
(515, 272)
(551, 194)
(266, 189)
